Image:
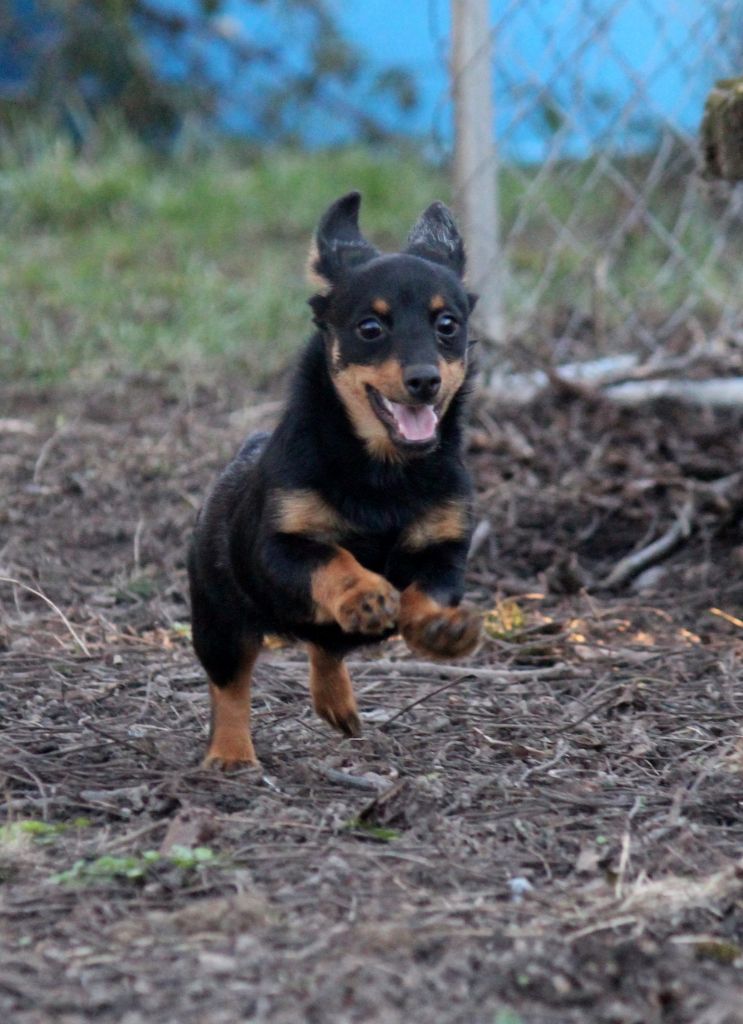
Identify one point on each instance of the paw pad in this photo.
(371, 607)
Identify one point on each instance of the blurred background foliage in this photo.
(156, 193)
(161, 65)
(127, 262)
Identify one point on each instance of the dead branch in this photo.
(717, 392)
(459, 672)
(521, 388)
(37, 593)
(481, 533)
(632, 564)
(622, 379)
(352, 781)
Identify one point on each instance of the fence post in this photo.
(475, 161)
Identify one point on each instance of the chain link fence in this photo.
(609, 236)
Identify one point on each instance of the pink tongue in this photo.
(417, 424)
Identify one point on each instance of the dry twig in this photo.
(37, 593)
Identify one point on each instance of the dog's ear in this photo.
(435, 237)
(338, 245)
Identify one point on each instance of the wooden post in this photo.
(475, 161)
(722, 131)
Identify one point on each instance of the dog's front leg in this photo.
(325, 584)
(432, 620)
(311, 581)
(360, 601)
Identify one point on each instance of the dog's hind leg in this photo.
(332, 692)
(230, 741)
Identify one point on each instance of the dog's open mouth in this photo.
(407, 424)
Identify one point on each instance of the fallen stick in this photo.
(457, 672)
(483, 673)
(521, 388)
(716, 393)
(352, 781)
(621, 379)
(632, 564)
(37, 593)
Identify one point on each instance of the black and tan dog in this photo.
(352, 520)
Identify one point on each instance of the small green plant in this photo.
(720, 950)
(134, 867)
(382, 835)
(138, 587)
(107, 867)
(507, 1016)
(191, 857)
(16, 831)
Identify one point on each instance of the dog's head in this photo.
(395, 326)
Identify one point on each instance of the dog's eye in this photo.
(446, 325)
(370, 329)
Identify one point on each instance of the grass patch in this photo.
(120, 262)
(134, 867)
(16, 832)
(124, 263)
(371, 831)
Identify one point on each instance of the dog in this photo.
(352, 520)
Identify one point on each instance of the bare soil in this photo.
(548, 833)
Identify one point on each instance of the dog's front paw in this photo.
(444, 633)
(371, 606)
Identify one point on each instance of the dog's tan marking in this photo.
(360, 601)
(448, 521)
(453, 374)
(332, 692)
(437, 303)
(351, 382)
(381, 306)
(335, 353)
(434, 630)
(306, 513)
(315, 279)
(230, 742)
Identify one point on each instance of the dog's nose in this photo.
(422, 382)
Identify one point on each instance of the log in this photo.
(715, 393)
(521, 388)
(622, 379)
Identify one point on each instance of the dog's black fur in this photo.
(351, 520)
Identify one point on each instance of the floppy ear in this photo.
(435, 237)
(339, 245)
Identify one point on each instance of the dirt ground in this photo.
(548, 833)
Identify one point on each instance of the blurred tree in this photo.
(156, 61)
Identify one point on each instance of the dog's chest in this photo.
(347, 520)
(370, 529)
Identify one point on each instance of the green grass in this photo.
(605, 221)
(122, 263)
(118, 262)
(134, 867)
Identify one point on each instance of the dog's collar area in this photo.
(408, 425)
